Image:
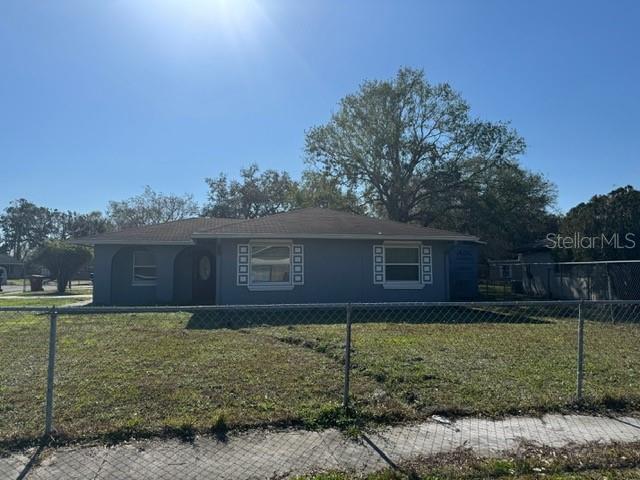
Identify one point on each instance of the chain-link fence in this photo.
(278, 391)
(613, 280)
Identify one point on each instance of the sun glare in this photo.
(197, 22)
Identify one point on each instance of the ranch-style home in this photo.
(311, 255)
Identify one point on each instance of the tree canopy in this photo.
(62, 259)
(506, 207)
(257, 194)
(316, 189)
(150, 208)
(77, 225)
(25, 227)
(254, 195)
(616, 214)
(408, 146)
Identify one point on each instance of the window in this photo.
(144, 268)
(270, 264)
(402, 264)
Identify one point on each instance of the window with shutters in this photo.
(270, 265)
(402, 265)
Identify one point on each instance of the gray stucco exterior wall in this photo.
(113, 275)
(103, 254)
(335, 271)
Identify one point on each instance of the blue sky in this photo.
(98, 99)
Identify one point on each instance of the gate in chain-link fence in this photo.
(261, 391)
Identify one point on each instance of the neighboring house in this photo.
(304, 256)
(10, 267)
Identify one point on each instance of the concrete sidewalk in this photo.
(278, 454)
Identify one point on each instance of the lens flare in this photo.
(188, 24)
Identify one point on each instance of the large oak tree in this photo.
(409, 147)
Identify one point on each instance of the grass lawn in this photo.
(53, 293)
(124, 374)
(489, 368)
(145, 373)
(600, 474)
(588, 462)
(37, 301)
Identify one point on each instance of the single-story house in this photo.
(311, 255)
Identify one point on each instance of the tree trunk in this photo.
(61, 283)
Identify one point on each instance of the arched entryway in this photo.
(195, 277)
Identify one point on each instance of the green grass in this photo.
(40, 301)
(23, 361)
(54, 293)
(486, 368)
(587, 462)
(144, 374)
(118, 375)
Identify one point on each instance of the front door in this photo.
(204, 278)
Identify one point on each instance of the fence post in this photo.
(347, 359)
(53, 327)
(610, 293)
(580, 373)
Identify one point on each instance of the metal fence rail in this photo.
(110, 374)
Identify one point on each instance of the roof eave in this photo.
(340, 236)
(131, 242)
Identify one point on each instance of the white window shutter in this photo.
(378, 264)
(297, 260)
(243, 264)
(427, 265)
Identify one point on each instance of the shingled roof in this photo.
(326, 223)
(301, 223)
(176, 232)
